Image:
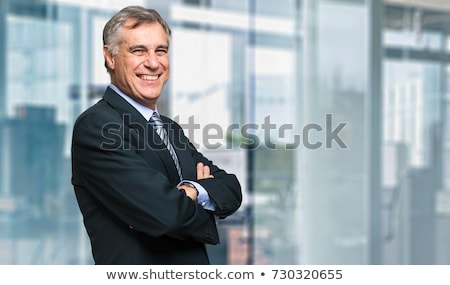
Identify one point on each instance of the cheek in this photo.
(167, 69)
(131, 64)
(164, 61)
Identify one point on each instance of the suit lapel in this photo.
(134, 120)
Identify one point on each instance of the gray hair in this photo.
(112, 32)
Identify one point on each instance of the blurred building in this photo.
(32, 148)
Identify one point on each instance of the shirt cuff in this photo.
(203, 196)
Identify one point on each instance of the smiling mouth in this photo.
(149, 77)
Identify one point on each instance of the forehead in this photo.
(145, 33)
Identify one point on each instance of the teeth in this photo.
(149, 77)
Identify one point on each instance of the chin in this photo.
(151, 97)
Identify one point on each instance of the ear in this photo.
(109, 59)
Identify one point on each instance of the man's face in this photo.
(141, 68)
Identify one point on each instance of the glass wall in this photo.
(332, 113)
(332, 171)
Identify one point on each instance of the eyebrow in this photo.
(162, 46)
(136, 47)
(130, 48)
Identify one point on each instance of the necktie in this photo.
(157, 124)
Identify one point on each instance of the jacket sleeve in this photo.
(224, 189)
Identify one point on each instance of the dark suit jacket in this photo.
(125, 184)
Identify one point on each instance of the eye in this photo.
(138, 51)
(161, 51)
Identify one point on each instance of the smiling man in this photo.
(147, 196)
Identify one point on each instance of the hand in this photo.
(190, 191)
(203, 171)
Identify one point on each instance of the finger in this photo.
(189, 191)
(206, 171)
(199, 170)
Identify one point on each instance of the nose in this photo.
(151, 61)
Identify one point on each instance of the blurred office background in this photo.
(377, 195)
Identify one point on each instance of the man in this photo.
(145, 199)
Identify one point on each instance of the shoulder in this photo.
(100, 112)
(98, 122)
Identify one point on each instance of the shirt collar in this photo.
(143, 110)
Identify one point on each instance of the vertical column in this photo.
(307, 112)
(250, 119)
(334, 180)
(297, 220)
(374, 124)
(440, 134)
(3, 13)
(4, 151)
